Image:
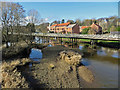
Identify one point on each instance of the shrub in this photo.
(85, 31)
(118, 28)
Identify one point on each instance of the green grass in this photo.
(88, 40)
(84, 40)
(103, 41)
(67, 39)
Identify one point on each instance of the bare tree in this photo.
(33, 16)
(11, 14)
(32, 19)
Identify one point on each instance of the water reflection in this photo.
(111, 52)
(116, 55)
(104, 63)
(35, 54)
(85, 62)
(49, 45)
(80, 47)
(38, 40)
(101, 53)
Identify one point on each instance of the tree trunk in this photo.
(7, 46)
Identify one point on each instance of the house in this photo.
(64, 28)
(95, 29)
(83, 27)
(115, 32)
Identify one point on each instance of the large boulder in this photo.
(71, 57)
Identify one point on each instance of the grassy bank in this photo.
(111, 44)
(105, 43)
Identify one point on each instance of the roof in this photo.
(83, 27)
(71, 25)
(54, 25)
(62, 24)
(95, 25)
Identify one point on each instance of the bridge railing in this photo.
(102, 36)
(78, 35)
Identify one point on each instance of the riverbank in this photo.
(20, 50)
(11, 76)
(104, 43)
(52, 72)
(15, 59)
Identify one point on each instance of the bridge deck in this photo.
(110, 37)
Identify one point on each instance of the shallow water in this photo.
(104, 64)
(35, 54)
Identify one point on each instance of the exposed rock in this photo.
(52, 66)
(71, 57)
(86, 74)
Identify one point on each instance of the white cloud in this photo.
(28, 17)
(46, 19)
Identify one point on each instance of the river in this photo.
(104, 63)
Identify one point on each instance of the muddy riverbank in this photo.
(14, 59)
(21, 50)
(52, 72)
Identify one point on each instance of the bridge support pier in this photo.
(42, 39)
(72, 43)
(92, 42)
(48, 39)
(74, 39)
(61, 40)
(57, 39)
(39, 40)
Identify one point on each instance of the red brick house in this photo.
(65, 28)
